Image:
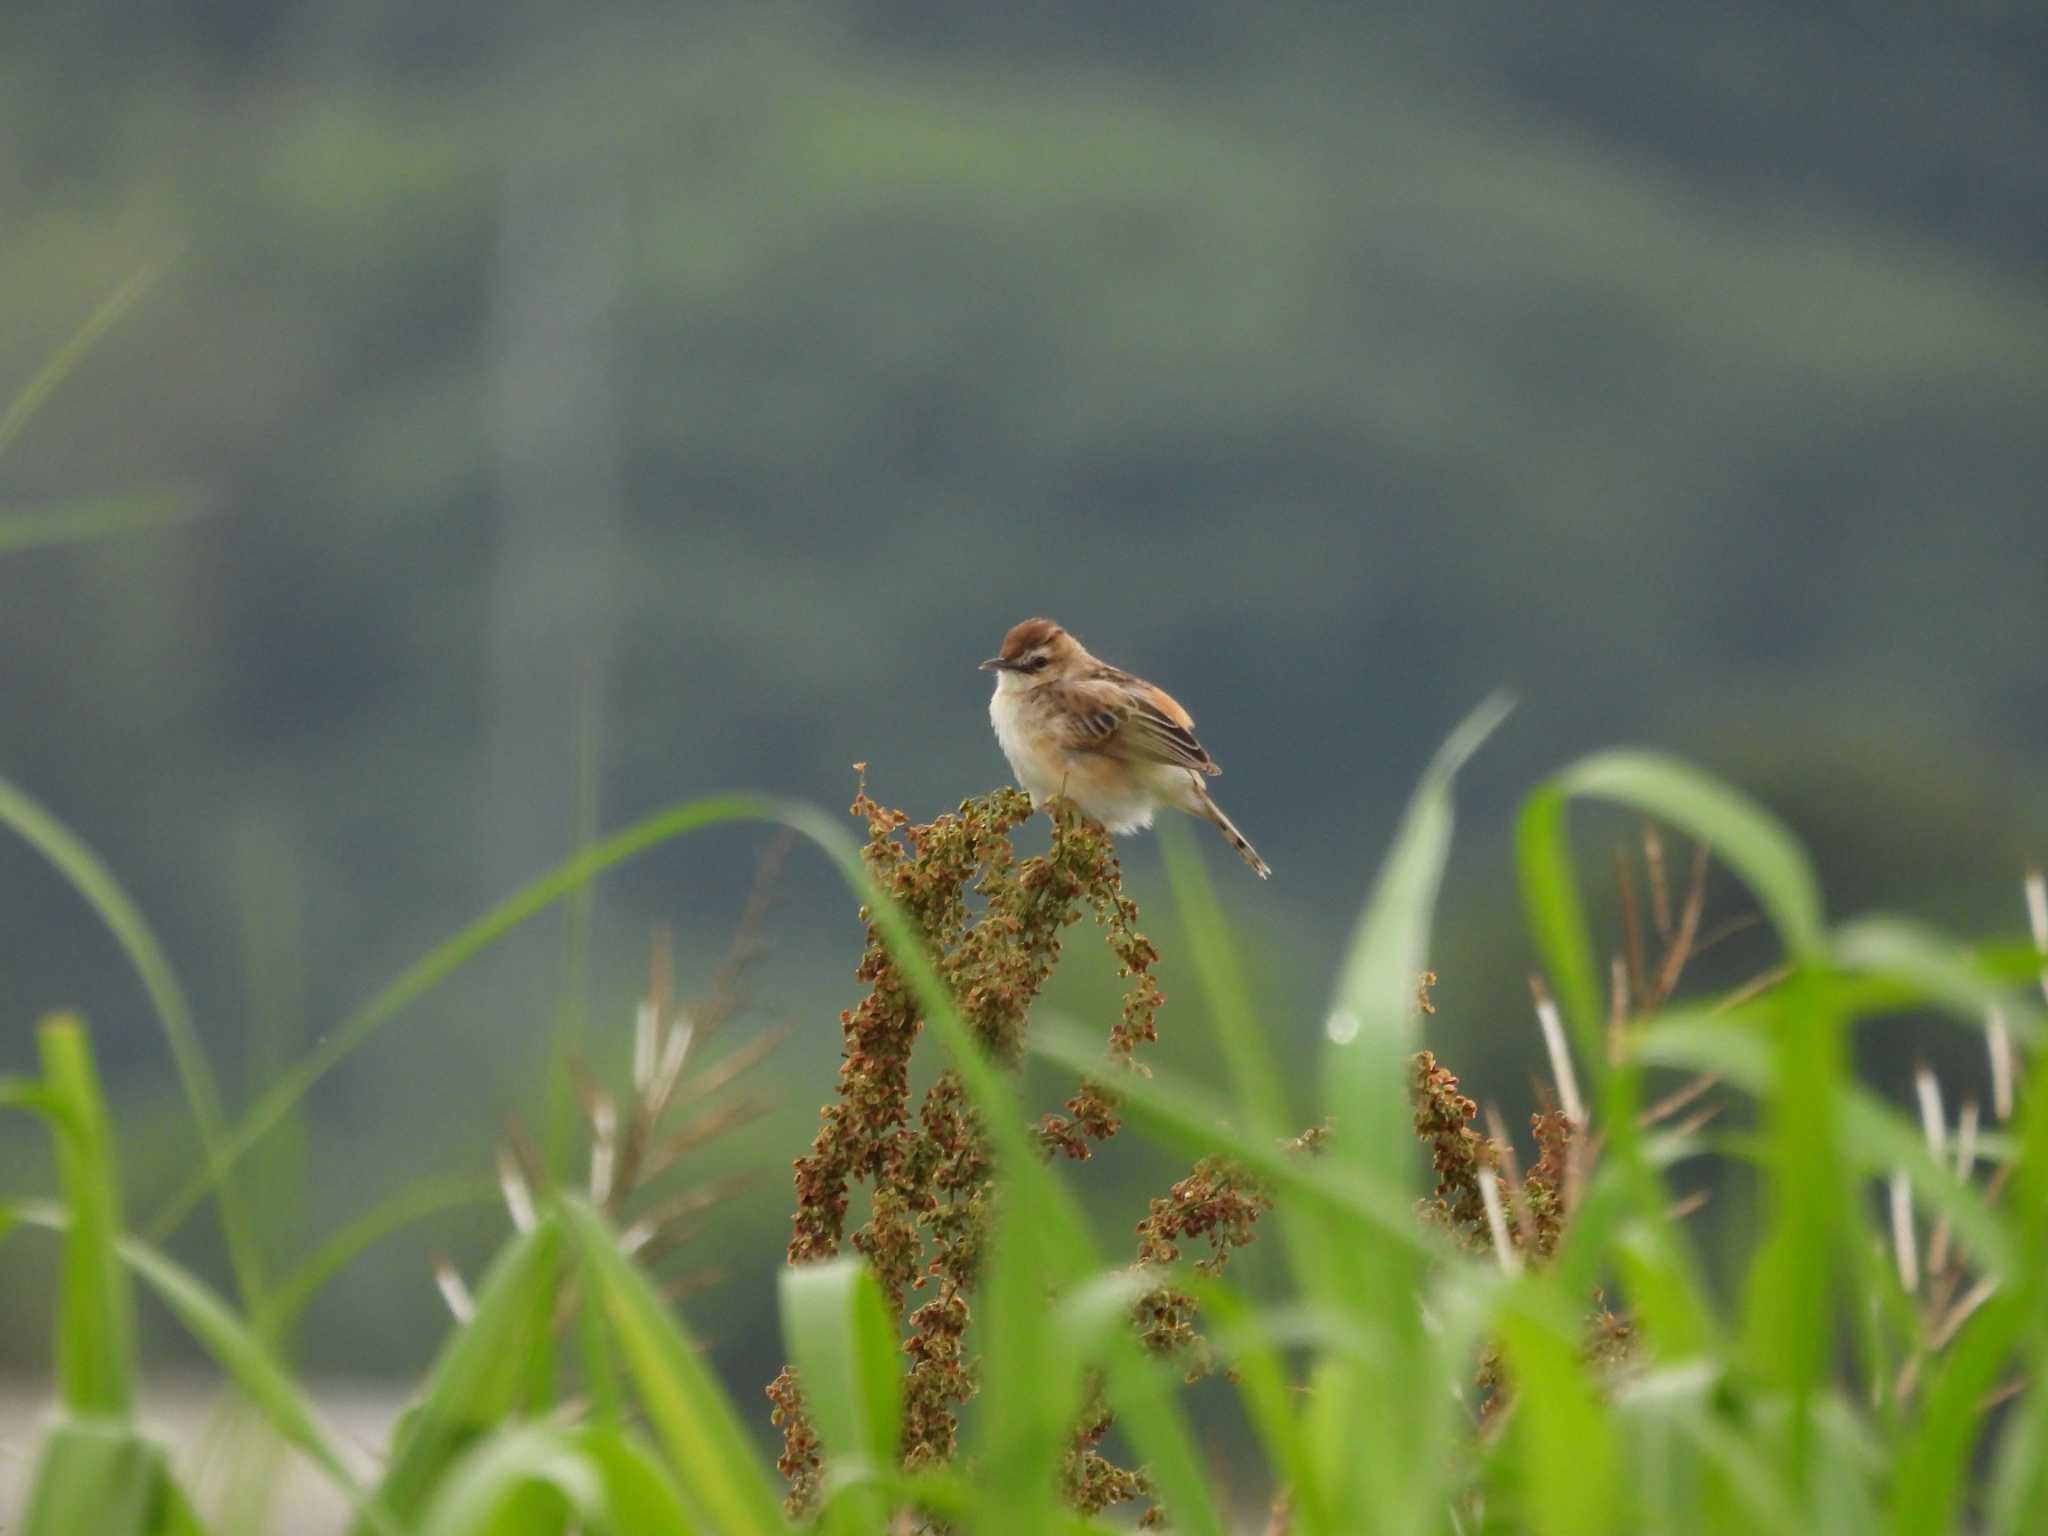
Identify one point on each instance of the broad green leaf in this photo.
(97, 1476)
(843, 1345)
(1571, 1464)
(717, 1468)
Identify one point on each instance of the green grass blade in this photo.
(483, 1374)
(843, 1345)
(1207, 939)
(1935, 969)
(96, 1313)
(1933, 1463)
(1373, 1018)
(1790, 1309)
(1383, 1448)
(713, 1457)
(1743, 835)
(2019, 1474)
(1182, 1116)
(1265, 1388)
(88, 518)
(993, 1095)
(1570, 1461)
(260, 1375)
(103, 893)
(1875, 1138)
(1096, 1324)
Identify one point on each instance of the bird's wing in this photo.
(1126, 717)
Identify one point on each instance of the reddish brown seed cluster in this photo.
(992, 925)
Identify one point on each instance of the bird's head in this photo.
(1036, 650)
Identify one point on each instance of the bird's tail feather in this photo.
(1238, 840)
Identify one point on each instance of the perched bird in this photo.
(1112, 743)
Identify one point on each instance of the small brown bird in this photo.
(1114, 744)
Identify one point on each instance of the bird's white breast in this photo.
(1122, 796)
(1036, 770)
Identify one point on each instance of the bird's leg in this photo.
(1058, 831)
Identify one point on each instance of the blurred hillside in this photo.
(698, 392)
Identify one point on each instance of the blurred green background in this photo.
(695, 393)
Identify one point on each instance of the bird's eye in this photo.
(1038, 664)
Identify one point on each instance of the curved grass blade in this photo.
(1937, 970)
(431, 969)
(66, 358)
(103, 893)
(244, 1356)
(1790, 1299)
(714, 1458)
(1372, 1024)
(1745, 836)
(526, 1480)
(1182, 1116)
(993, 1096)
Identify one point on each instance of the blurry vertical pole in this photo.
(554, 416)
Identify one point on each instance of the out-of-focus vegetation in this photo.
(1868, 1374)
(583, 410)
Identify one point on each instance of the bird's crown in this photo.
(1027, 637)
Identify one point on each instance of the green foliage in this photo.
(1503, 1352)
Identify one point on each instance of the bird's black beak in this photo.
(997, 664)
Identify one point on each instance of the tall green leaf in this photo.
(717, 1467)
(483, 1376)
(96, 1313)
